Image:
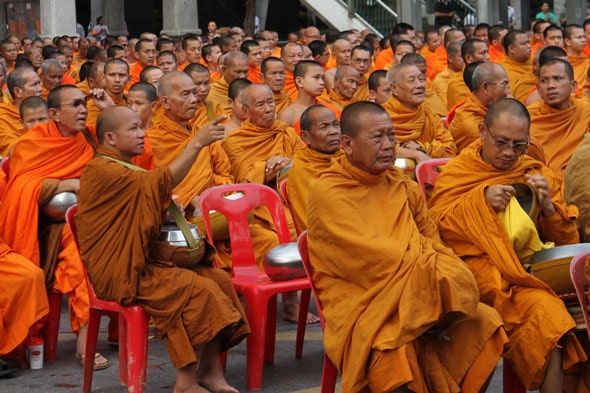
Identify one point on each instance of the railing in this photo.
(466, 13)
(376, 12)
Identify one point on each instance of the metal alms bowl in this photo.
(407, 165)
(57, 206)
(283, 263)
(553, 266)
(171, 234)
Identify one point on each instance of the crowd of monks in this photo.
(506, 106)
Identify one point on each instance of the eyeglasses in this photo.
(76, 103)
(505, 86)
(501, 144)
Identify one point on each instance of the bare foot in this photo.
(191, 389)
(291, 314)
(217, 385)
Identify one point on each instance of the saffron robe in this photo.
(577, 186)
(282, 101)
(11, 128)
(218, 95)
(517, 71)
(496, 55)
(457, 90)
(290, 86)
(441, 84)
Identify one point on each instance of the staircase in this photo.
(374, 15)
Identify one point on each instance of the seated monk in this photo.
(167, 61)
(273, 75)
(33, 111)
(195, 309)
(470, 197)
(346, 83)
(574, 39)
(518, 64)
(291, 54)
(234, 66)
(116, 73)
(360, 60)
(207, 111)
(560, 120)
(341, 50)
(143, 99)
(23, 82)
(420, 133)
(373, 265)
(257, 152)
(94, 77)
(489, 83)
(146, 53)
(151, 74)
(252, 49)
(577, 186)
(379, 88)
(496, 35)
(541, 56)
(472, 50)
(46, 161)
(320, 131)
(454, 67)
(51, 76)
(179, 96)
(438, 60)
(239, 114)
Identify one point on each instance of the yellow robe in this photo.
(218, 95)
(534, 317)
(577, 186)
(580, 65)
(517, 71)
(441, 84)
(11, 128)
(206, 113)
(463, 128)
(282, 101)
(372, 289)
(94, 111)
(457, 90)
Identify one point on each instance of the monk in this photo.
(33, 111)
(379, 88)
(320, 131)
(400, 49)
(238, 112)
(471, 192)
(341, 51)
(191, 47)
(553, 36)
(291, 54)
(23, 82)
(257, 152)
(518, 63)
(151, 75)
(142, 98)
(438, 61)
(146, 53)
(8, 52)
(196, 309)
(360, 60)
(560, 120)
(538, 42)
(420, 133)
(472, 50)
(454, 67)
(252, 49)
(207, 111)
(371, 264)
(542, 55)
(496, 37)
(273, 75)
(167, 61)
(5, 97)
(235, 65)
(489, 83)
(431, 43)
(575, 43)
(48, 160)
(346, 82)
(401, 31)
(577, 188)
(51, 76)
(116, 73)
(211, 54)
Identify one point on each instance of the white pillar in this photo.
(180, 17)
(114, 15)
(58, 17)
(410, 11)
(576, 11)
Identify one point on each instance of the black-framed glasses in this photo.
(518, 147)
(76, 103)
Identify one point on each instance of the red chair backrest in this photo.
(236, 210)
(304, 252)
(579, 279)
(426, 172)
(285, 196)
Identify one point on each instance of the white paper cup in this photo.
(35, 350)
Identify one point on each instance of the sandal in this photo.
(100, 362)
(6, 369)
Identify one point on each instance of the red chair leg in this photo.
(123, 350)
(511, 381)
(255, 344)
(90, 350)
(52, 328)
(271, 330)
(137, 346)
(329, 376)
(302, 322)
(223, 361)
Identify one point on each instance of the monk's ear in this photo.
(574, 86)
(52, 113)
(153, 105)
(346, 142)
(18, 92)
(164, 102)
(298, 82)
(482, 130)
(305, 137)
(372, 95)
(110, 138)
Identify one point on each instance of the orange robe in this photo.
(524, 87)
(290, 86)
(333, 100)
(535, 47)
(425, 51)
(134, 72)
(586, 51)
(68, 80)
(206, 113)
(422, 126)
(534, 317)
(434, 103)
(218, 95)
(517, 71)
(94, 111)
(577, 186)
(255, 74)
(282, 101)
(377, 319)
(496, 55)
(580, 65)
(11, 128)
(189, 306)
(457, 90)
(436, 62)
(362, 91)
(248, 148)
(19, 210)
(83, 86)
(307, 165)
(463, 128)
(5, 97)
(384, 58)
(559, 131)
(442, 82)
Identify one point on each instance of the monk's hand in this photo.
(101, 99)
(541, 187)
(498, 196)
(71, 185)
(412, 145)
(210, 132)
(273, 166)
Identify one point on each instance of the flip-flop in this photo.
(6, 369)
(100, 362)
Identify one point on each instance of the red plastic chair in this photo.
(51, 334)
(259, 291)
(329, 372)
(133, 333)
(578, 275)
(426, 173)
(285, 196)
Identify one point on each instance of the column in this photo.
(576, 11)
(114, 16)
(58, 17)
(409, 11)
(180, 17)
(262, 12)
